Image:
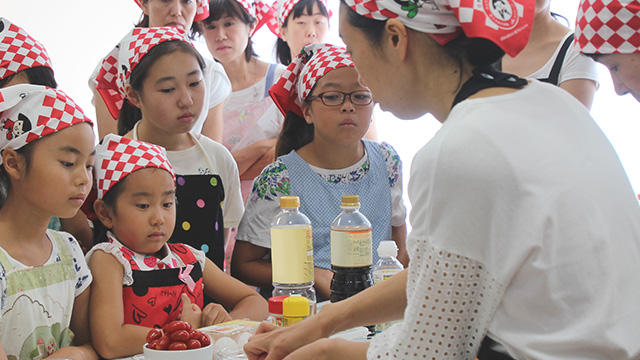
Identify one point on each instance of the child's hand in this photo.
(191, 313)
(214, 314)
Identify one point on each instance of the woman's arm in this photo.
(322, 283)
(214, 123)
(112, 338)
(252, 159)
(243, 301)
(399, 235)
(582, 89)
(80, 318)
(249, 265)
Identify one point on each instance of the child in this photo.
(44, 279)
(322, 157)
(184, 15)
(141, 282)
(161, 74)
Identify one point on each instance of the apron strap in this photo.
(484, 78)
(554, 74)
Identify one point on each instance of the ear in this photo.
(145, 7)
(397, 38)
(132, 96)
(306, 112)
(252, 28)
(283, 33)
(14, 163)
(104, 212)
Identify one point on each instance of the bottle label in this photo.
(381, 275)
(351, 248)
(292, 255)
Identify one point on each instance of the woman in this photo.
(615, 46)
(517, 246)
(550, 56)
(181, 14)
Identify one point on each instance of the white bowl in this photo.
(203, 353)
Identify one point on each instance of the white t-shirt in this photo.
(193, 162)
(526, 229)
(218, 88)
(574, 66)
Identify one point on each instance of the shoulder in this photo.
(392, 161)
(214, 148)
(277, 72)
(272, 183)
(71, 243)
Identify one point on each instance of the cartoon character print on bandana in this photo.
(17, 127)
(412, 6)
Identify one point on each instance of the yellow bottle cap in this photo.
(289, 202)
(350, 200)
(295, 306)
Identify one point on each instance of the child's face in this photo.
(172, 94)
(174, 13)
(145, 215)
(342, 124)
(305, 30)
(60, 172)
(227, 38)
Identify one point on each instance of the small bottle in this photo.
(351, 255)
(295, 308)
(275, 309)
(292, 252)
(387, 266)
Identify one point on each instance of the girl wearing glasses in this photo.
(321, 156)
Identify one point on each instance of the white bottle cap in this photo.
(387, 248)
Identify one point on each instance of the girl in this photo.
(608, 33)
(160, 73)
(510, 259)
(182, 14)
(44, 279)
(25, 61)
(321, 151)
(550, 56)
(141, 282)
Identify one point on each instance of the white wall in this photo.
(78, 33)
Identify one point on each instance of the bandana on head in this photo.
(117, 66)
(296, 82)
(507, 23)
(201, 13)
(608, 26)
(30, 112)
(259, 10)
(282, 9)
(117, 157)
(18, 50)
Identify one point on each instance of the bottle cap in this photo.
(387, 248)
(296, 306)
(275, 304)
(289, 202)
(350, 200)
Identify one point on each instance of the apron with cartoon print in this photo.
(199, 221)
(153, 300)
(38, 305)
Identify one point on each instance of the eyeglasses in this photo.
(336, 98)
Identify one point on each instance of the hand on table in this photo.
(191, 313)
(214, 314)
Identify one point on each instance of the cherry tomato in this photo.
(180, 335)
(194, 334)
(193, 344)
(174, 326)
(163, 343)
(154, 334)
(205, 340)
(178, 345)
(152, 344)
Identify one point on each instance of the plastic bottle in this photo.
(295, 308)
(275, 309)
(292, 252)
(351, 255)
(387, 266)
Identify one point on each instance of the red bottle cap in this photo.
(275, 304)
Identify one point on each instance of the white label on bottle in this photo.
(292, 255)
(381, 275)
(351, 248)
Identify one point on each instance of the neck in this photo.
(170, 141)
(545, 27)
(243, 74)
(442, 107)
(331, 156)
(22, 223)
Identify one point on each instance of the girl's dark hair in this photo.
(144, 22)
(295, 133)
(304, 7)
(39, 75)
(5, 184)
(110, 198)
(129, 115)
(231, 8)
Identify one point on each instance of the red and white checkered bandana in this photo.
(18, 50)
(505, 22)
(117, 157)
(259, 10)
(296, 82)
(30, 112)
(608, 26)
(117, 66)
(201, 13)
(282, 9)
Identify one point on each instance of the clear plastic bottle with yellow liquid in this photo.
(292, 252)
